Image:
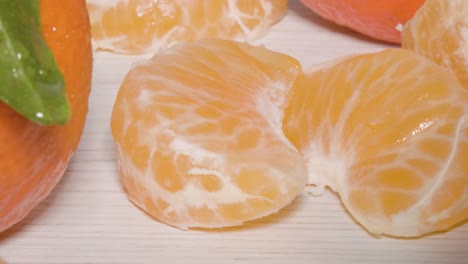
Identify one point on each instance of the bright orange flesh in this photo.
(33, 157)
(382, 19)
(199, 136)
(439, 31)
(389, 132)
(142, 26)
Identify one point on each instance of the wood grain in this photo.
(88, 218)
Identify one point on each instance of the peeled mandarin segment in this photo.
(141, 26)
(439, 31)
(199, 135)
(389, 133)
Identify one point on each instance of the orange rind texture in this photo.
(381, 20)
(214, 133)
(33, 157)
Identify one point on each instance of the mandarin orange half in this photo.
(214, 133)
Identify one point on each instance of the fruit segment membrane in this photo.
(199, 137)
(214, 133)
(143, 26)
(389, 133)
(444, 41)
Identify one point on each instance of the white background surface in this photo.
(88, 219)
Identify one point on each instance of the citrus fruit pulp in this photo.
(439, 31)
(199, 136)
(391, 143)
(388, 132)
(144, 26)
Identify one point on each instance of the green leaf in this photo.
(30, 81)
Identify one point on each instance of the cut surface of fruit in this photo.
(439, 31)
(33, 157)
(199, 135)
(388, 132)
(142, 26)
(383, 19)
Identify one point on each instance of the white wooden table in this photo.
(88, 218)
